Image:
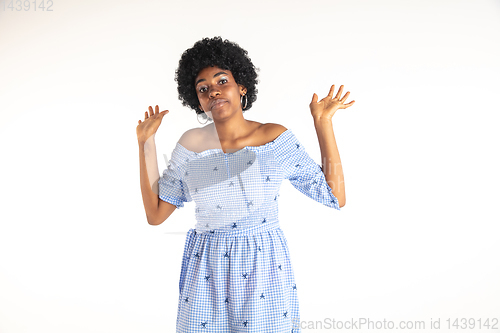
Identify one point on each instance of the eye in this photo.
(223, 80)
(203, 89)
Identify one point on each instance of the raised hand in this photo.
(326, 108)
(150, 124)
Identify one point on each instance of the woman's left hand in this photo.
(326, 108)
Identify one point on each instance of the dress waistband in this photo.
(266, 226)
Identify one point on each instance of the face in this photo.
(218, 93)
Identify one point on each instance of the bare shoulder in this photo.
(192, 138)
(272, 130)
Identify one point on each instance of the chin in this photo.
(220, 113)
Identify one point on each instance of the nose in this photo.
(214, 91)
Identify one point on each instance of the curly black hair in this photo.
(220, 53)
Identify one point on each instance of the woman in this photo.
(236, 272)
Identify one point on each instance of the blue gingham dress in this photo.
(236, 273)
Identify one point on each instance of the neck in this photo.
(230, 130)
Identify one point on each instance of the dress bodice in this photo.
(241, 189)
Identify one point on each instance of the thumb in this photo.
(315, 98)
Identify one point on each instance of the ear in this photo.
(243, 90)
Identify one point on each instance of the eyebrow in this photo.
(200, 80)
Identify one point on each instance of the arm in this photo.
(322, 113)
(157, 210)
(330, 156)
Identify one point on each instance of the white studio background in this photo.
(417, 239)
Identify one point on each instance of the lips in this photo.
(217, 102)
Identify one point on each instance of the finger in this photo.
(163, 113)
(315, 98)
(151, 112)
(157, 109)
(139, 122)
(340, 92)
(332, 90)
(145, 115)
(345, 97)
(349, 104)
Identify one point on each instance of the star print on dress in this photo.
(208, 273)
(233, 226)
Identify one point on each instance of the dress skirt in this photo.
(238, 281)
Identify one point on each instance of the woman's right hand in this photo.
(150, 124)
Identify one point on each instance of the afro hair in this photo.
(210, 52)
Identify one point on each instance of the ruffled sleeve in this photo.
(301, 170)
(171, 184)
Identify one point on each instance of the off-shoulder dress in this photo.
(236, 273)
